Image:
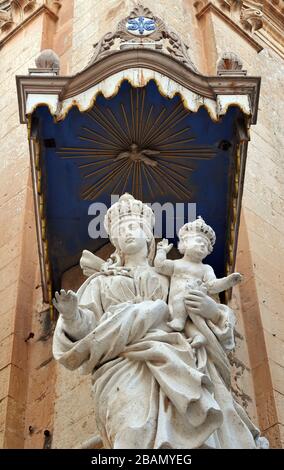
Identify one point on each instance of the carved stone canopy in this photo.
(136, 114)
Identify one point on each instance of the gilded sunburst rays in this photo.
(108, 134)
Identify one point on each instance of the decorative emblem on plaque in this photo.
(140, 26)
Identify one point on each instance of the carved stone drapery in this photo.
(118, 323)
(14, 12)
(141, 29)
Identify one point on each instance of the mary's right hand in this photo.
(66, 303)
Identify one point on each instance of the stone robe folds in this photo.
(151, 389)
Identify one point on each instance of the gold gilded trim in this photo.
(233, 213)
(43, 229)
(144, 80)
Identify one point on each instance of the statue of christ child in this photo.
(190, 277)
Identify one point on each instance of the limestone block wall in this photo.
(26, 375)
(17, 237)
(261, 249)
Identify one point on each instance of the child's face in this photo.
(196, 246)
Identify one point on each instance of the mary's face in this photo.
(131, 238)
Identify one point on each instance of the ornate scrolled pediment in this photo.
(142, 30)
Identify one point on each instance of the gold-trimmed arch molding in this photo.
(138, 67)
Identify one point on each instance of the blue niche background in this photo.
(193, 158)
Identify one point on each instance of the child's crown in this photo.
(198, 227)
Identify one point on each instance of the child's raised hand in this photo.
(164, 245)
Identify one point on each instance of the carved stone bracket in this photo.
(251, 16)
(14, 12)
(141, 29)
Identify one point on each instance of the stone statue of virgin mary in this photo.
(152, 390)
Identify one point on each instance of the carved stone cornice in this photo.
(272, 32)
(278, 5)
(205, 6)
(67, 89)
(14, 13)
(259, 21)
(247, 13)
